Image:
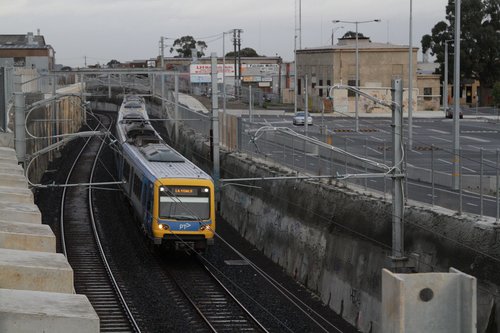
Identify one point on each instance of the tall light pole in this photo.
(455, 177)
(357, 67)
(297, 35)
(445, 85)
(410, 80)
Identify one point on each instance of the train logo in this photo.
(184, 226)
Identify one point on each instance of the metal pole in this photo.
(432, 174)
(345, 155)
(481, 167)
(445, 86)
(109, 86)
(410, 81)
(295, 76)
(162, 63)
(498, 184)
(176, 106)
(460, 197)
(405, 161)
(215, 124)
(224, 77)
(366, 165)
(456, 99)
(250, 113)
(54, 110)
(3, 99)
(356, 101)
(397, 192)
(385, 163)
(20, 133)
(306, 108)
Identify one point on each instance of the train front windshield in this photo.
(184, 202)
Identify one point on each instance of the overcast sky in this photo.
(127, 30)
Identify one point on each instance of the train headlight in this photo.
(204, 227)
(206, 190)
(163, 226)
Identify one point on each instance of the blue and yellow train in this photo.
(172, 199)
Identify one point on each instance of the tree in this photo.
(246, 52)
(480, 41)
(352, 35)
(496, 94)
(113, 63)
(185, 44)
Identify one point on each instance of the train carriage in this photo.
(171, 197)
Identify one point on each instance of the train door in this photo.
(147, 205)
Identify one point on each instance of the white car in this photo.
(299, 119)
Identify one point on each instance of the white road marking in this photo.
(435, 137)
(465, 168)
(438, 131)
(475, 139)
(377, 139)
(444, 161)
(374, 150)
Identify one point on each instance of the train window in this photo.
(185, 202)
(137, 186)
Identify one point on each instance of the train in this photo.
(171, 198)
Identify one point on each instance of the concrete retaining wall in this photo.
(336, 240)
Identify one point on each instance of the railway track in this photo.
(81, 245)
(214, 303)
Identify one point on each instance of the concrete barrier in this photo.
(27, 236)
(34, 270)
(35, 311)
(36, 283)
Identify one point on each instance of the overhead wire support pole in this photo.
(162, 64)
(397, 192)
(215, 125)
(398, 174)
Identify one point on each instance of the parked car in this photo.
(449, 113)
(299, 119)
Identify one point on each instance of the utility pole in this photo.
(397, 172)
(162, 64)
(215, 124)
(235, 66)
(239, 58)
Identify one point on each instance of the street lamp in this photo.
(333, 33)
(455, 178)
(357, 65)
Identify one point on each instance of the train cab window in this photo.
(185, 202)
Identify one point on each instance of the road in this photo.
(476, 134)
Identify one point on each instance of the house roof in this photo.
(22, 42)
